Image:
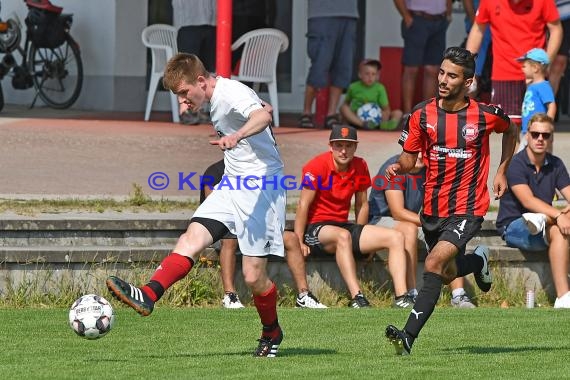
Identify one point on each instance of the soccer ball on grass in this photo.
(91, 316)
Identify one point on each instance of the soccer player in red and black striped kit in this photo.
(452, 131)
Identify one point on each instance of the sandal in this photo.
(331, 121)
(306, 121)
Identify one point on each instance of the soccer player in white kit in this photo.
(249, 201)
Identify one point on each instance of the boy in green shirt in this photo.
(366, 103)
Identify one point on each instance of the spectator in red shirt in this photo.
(330, 180)
(516, 27)
(452, 131)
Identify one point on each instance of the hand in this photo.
(226, 142)
(499, 185)
(392, 171)
(305, 250)
(563, 223)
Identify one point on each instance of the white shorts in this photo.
(255, 214)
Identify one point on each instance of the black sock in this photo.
(425, 303)
(467, 264)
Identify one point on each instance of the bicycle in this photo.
(51, 59)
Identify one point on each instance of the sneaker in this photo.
(484, 278)
(268, 347)
(462, 301)
(413, 294)
(309, 301)
(399, 339)
(359, 301)
(130, 295)
(563, 302)
(231, 301)
(535, 222)
(403, 302)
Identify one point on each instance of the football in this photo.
(370, 113)
(91, 316)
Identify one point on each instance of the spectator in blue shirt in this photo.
(527, 219)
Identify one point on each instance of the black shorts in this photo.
(456, 229)
(312, 236)
(216, 228)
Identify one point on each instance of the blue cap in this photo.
(537, 55)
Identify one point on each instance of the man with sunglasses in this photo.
(527, 219)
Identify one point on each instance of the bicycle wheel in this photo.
(57, 73)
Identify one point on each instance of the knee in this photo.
(396, 239)
(411, 70)
(251, 278)
(431, 70)
(344, 239)
(433, 265)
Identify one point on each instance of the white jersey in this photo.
(230, 106)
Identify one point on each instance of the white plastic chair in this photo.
(258, 62)
(161, 39)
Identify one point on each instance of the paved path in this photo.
(61, 154)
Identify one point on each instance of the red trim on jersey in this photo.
(334, 189)
(456, 146)
(515, 31)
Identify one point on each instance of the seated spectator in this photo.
(366, 103)
(397, 205)
(527, 219)
(330, 180)
(229, 245)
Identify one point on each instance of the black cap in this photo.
(343, 133)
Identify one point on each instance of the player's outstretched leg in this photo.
(399, 339)
(130, 295)
(484, 278)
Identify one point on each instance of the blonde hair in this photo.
(540, 117)
(183, 67)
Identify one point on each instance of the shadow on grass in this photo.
(504, 350)
(282, 352)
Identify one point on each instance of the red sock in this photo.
(266, 305)
(174, 267)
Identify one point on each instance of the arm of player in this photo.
(361, 207)
(258, 120)
(302, 215)
(508, 148)
(396, 204)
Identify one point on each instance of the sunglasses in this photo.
(545, 135)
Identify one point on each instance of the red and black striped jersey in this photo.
(456, 151)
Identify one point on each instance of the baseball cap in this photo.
(343, 133)
(537, 55)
